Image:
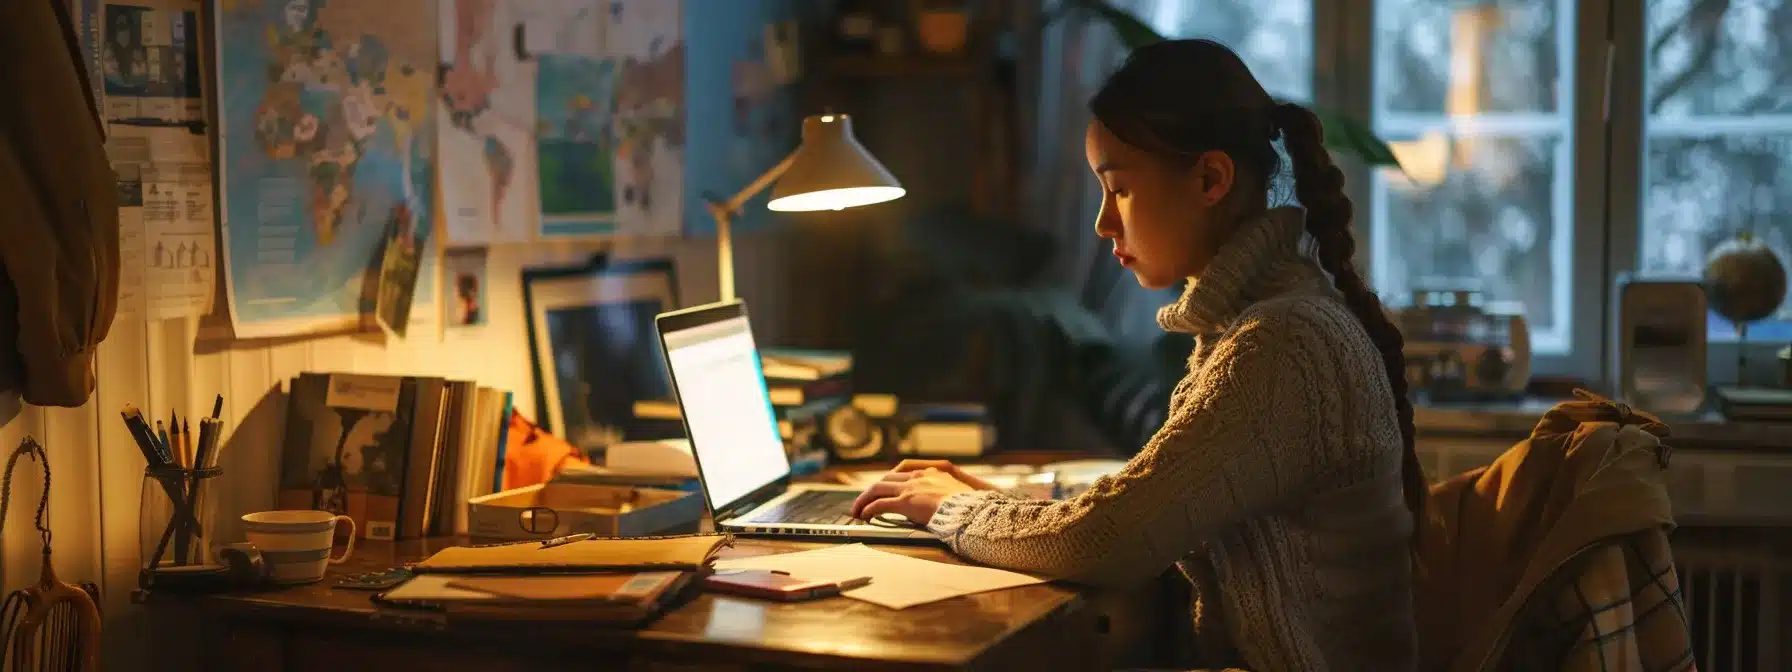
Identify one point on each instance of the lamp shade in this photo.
(832, 171)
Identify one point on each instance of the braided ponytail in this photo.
(1320, 187)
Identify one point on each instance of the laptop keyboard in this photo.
(812, 507)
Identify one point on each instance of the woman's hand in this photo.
(915, 489)
(945, 466)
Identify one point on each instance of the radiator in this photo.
(1737, 599)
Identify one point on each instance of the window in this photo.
(1478, 99)
(1717, 146)
(1274, 37)
(1548, 144)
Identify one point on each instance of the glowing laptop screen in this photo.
(721, 391)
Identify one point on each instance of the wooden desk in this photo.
(316, 627)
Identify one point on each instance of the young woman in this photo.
(1283, 483)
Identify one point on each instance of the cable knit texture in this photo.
(1274, 484)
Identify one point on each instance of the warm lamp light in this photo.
(830, 170)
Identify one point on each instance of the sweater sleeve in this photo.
(1242, 440)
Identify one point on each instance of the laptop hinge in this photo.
(754, 499)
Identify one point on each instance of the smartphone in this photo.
(775, 585)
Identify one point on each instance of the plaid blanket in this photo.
(1617, 607)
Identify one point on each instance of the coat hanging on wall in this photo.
(59, 227)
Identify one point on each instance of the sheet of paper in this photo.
(166, 247)
(147, 56)
(897, 581)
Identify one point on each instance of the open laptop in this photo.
(728, 416)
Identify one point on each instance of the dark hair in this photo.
(1178, 99)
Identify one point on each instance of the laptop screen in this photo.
(721, 391)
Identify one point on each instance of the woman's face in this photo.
(1163, 219)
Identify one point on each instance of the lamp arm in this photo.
(765, 180)
(724, 212)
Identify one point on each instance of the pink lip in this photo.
(1125, 259)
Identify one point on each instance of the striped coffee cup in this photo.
(296, 544)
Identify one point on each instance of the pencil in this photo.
(162, 432)
(173, 444)
(186, 444)
(217, 409)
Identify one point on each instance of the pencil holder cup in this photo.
(176, 517)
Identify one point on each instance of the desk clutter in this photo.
(628, 581)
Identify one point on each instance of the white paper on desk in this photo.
(897, 581)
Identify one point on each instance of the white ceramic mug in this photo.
(296, 544)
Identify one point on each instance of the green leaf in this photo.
(1132, 31)
(1344, 135)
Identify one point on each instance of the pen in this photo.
(162, 432)
(850, 584)
(217, 407)
(186, 445)
(155, 453)
(562, 541)
(208, 437)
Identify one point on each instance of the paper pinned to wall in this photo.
(646, 39)
(897, 581)
(148, 53)
(166, 246)
(327, 158)
(487, 123)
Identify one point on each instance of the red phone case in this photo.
(769, 585)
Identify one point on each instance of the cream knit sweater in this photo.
(1274, 484)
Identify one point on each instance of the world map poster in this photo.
(486, 117)
(327, 151)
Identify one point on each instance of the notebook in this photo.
(627, 598)
(683, 552)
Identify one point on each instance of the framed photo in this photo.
(593, 345)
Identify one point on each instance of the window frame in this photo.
(1354, 21)
(1605, 100)
(1628, 128)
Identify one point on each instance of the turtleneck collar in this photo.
(1267, 257)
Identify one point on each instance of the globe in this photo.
(1744, 281)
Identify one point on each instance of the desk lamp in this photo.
(830, 170)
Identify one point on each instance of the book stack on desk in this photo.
(400, 455)
(617, 581)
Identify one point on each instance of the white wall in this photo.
(97, 471)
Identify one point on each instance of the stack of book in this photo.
(401, 455)
(614, 581)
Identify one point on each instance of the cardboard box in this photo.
(549, 510)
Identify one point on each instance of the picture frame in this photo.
(593, 345)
